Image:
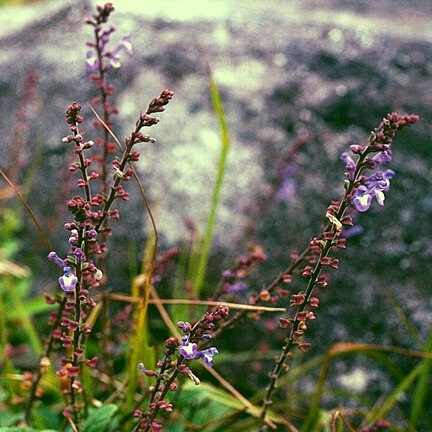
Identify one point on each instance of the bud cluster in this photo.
(175, 354)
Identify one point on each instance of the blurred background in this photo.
(300, 82)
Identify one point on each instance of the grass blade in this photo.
(422, 389)
(392, 399)
(139, 342)
(225, 145)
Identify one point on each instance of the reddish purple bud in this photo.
(298, 334)
(307, 271)
(92, 362)
(73, 371)
(341, 243)
(334, 263)
(285, 323)
(347, 220)
(314, 302)
(287, 278)
(297, 300)
(86, 329)
(304, 346)
(356, 149)
(67, 412)
(325, 261)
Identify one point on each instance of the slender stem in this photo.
(83, 170)
(108, 202)
(76, 344)
(290, 341)
(161, 396)
(106, 115)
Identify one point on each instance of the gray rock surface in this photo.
(280, 66)
(319, 74)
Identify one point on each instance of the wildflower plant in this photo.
(91, 212)
(80, 275)
(102, 167)
(177, 355)
(359, 191)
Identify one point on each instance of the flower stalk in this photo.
(174, 363)
(377, 152)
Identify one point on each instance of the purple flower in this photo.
(352, 231)
(91, 62)
(52, 256)
(105, 37)
(91, 234)
(79, 255)
(68, 281)
(380, 179)
(189, 350)
(238, 287)
(125, 44)
(350, 165)
(288, 187)
(207, 355)
(373, 187)
(114, 55)
(381, 158)
(286, 192)
(362, 199)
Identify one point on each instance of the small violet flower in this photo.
(52, 256)
(114, 55)
(79, 255)
(91, 62)
(381, 158)
(362, 199)
(288, 187)
(189, 350)
(237, 287)
(350, 165)
(374, 186)
(208, 355)
(353, 231)
(68, 281)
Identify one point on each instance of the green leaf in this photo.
(8, 418)
(16, 290)
(392, 399)
(32, 306)
(100, 418)
(205, 404)
(141, 350)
